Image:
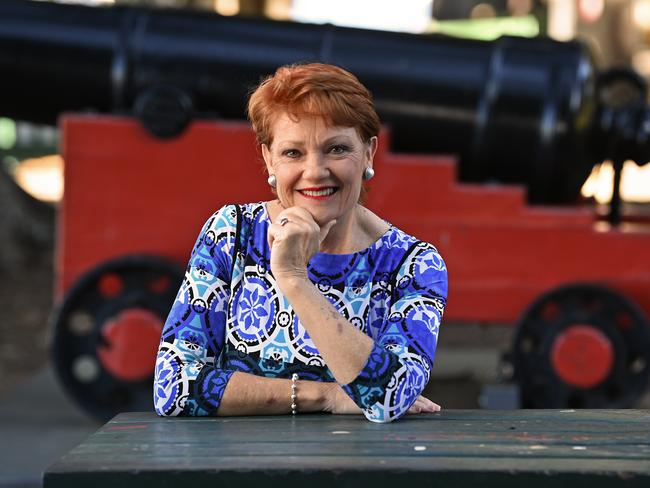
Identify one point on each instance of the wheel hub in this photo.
(582, 356)
(130, 343)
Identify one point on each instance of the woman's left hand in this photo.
(294, 242)
(424, 405)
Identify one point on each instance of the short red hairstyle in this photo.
(313, 89)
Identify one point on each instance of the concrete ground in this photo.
(38, 425)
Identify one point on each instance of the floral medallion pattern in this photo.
(229, 315)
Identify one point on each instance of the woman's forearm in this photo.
(344, 348)
(248, 394)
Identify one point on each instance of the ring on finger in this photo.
(283, 221)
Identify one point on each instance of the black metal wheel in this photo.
(106, 333)
(582, 346)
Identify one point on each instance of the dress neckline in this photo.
(376, 244)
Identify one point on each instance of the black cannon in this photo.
(530, 111)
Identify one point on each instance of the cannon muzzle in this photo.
(514, 110)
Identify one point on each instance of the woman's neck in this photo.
(345, 236)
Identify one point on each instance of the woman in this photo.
(309, 302)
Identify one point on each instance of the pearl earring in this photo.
(368, 173)
(272, 181)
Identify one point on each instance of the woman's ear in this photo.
(371, 150)
(266, 154)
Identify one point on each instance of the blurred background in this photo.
(474, 366)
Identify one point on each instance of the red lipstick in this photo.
(318, 193)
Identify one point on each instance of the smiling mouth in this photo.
(318, 192)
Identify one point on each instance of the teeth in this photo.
(318, 193)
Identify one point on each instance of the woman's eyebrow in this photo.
(290, 143)
(329, 140)
(337, 138)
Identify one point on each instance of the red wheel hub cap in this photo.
(582, 356)
(132, 339)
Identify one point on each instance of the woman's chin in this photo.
(320, 211)
(321, 220)
(321, 214)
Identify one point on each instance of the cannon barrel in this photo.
(513, 110)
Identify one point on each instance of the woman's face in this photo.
(318, 167)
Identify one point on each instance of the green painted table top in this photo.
(518, 448)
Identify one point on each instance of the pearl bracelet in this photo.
(294, 395)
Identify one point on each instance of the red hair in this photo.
(315, 89)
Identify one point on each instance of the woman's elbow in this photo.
(381, 420)
(162, 404)
(381, 413)
(163, 413)
(393, 406)
(165, 391)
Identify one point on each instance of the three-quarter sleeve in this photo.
(187, 379)
(399, 365)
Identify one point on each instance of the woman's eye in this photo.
(338, 149)
(291, 153)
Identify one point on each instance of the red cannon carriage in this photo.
(578, 289)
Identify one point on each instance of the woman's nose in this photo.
(315, 167)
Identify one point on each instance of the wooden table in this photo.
(474, 448)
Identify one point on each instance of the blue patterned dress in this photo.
(230, 316)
